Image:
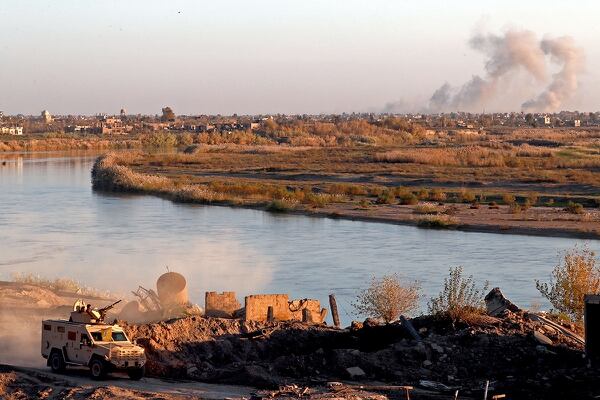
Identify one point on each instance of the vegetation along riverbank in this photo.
(500, 183)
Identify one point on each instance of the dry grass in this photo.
(61, 285)
(428, 208)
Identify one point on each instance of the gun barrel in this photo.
(110, 306)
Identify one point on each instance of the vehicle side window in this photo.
(71, 335)
(97, 336)
(85, 339)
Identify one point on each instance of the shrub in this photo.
(281, 205)
(508, 198)
(185, 139)
(387, 298)
(387, 197)
(423, 194)
(159, 139)
(532, 198)
(574, 208)
(437, 222)
(515, 208)
(577, 276)
(426, 208)
(466, 196)
(459, 298)
(349, 189)
(438, 195)
(408, 198)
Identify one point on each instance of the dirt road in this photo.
(41, 379)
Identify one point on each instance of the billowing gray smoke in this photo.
(565, 82)
(513, 51)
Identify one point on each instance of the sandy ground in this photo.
(41, 383)
(539, 221)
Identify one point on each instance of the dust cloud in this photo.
(20, 338)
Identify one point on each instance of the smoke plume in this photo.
(507, 54)
(564, 83)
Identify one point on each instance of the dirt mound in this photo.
(520, 354)
(23, 295)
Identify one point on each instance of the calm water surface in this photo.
(54, 225)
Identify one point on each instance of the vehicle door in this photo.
(85, 347)
(71, 344)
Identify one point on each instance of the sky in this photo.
(266, 56)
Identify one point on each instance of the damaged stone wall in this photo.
(257, 306)
(221, 305)
(313, 307)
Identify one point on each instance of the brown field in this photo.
(543, 182)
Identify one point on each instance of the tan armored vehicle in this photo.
(85, 340)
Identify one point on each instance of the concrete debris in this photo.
(440, 387)
(541, 338)
(355, 372)
(170, 300)
(496, 303)
(501, 349)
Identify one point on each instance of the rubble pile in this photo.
(519, 353)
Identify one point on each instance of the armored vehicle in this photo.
(86, 340)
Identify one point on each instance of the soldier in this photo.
(89, 312)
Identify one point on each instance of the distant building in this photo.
(576, 123)
(80, 128)
(547, 120)
(114, 126)
(123, 112)
(46, 117)
(13, 130)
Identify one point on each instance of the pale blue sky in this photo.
(80, 56)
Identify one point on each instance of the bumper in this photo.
(125, 364)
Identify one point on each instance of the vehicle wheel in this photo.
(97, 369)
(57, 362)
(136, 373)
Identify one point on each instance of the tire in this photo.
(57, 362)
(136, 373)
(98, 369)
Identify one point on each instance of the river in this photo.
(53, 224)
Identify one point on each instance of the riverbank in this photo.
(41, 143)
(179, 178)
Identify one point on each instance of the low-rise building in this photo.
(12, 130)
(114, 126)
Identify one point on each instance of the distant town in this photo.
(125, 124)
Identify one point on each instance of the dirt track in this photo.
(34, 381)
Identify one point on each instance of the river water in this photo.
(53, 224)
